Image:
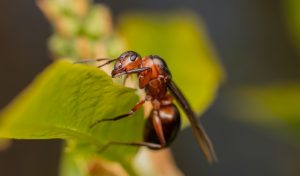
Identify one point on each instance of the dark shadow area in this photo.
(242, 149)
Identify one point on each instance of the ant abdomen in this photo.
(164, 122)
(170, 121)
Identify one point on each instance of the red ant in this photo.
(164, 122)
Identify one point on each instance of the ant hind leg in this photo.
(136, 144)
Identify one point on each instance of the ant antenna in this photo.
(96, 60)
(91, 60)
(108, 62)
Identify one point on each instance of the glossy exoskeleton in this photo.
(163, 123)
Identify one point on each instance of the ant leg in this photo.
(125, 78)
(138, 70)
(158, 128)
(135, 108)
(137, 144)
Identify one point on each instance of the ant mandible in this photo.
(164, 122)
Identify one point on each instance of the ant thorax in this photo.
(154, 80)
(164, 119)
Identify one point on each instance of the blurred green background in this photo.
(254, 121)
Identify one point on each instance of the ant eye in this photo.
(133, 57)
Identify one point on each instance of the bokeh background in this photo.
(254, 44)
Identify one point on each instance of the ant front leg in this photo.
(136, 144)
(116, 73)
(125, 79)
(135, 108)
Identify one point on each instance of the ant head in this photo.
(129, 60)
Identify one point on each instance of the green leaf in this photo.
(73, 163)
(71, 166)
(64, 100)
(292, 13)
(273, 106)
(181, 40)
